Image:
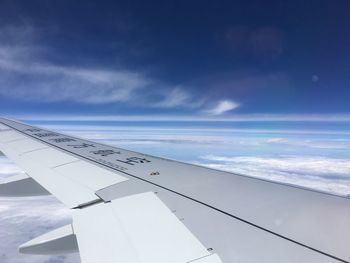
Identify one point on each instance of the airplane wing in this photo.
(131, 207)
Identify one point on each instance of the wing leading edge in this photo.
(221, 215)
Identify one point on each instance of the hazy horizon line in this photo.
(185, 118)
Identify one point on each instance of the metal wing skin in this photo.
(131, 207)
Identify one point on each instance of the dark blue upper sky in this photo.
(175, 57)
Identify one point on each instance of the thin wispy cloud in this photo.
(223, 107)
(26, 75)
(179, 97)
(50, 82)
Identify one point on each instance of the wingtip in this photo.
(58, 241)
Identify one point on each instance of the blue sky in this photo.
(193, 58)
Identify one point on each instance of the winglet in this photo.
(58, 241)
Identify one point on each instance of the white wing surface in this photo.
(132, 207)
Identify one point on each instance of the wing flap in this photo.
(137, 228)
(68, 192)
(10, 135)
(26, 145)
(70, 179)
(49, 157)
(89, 175)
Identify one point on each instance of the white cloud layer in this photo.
(321, 173)
(7, 168)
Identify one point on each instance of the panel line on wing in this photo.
(38, 149)
(16, 140)
(63, 164)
